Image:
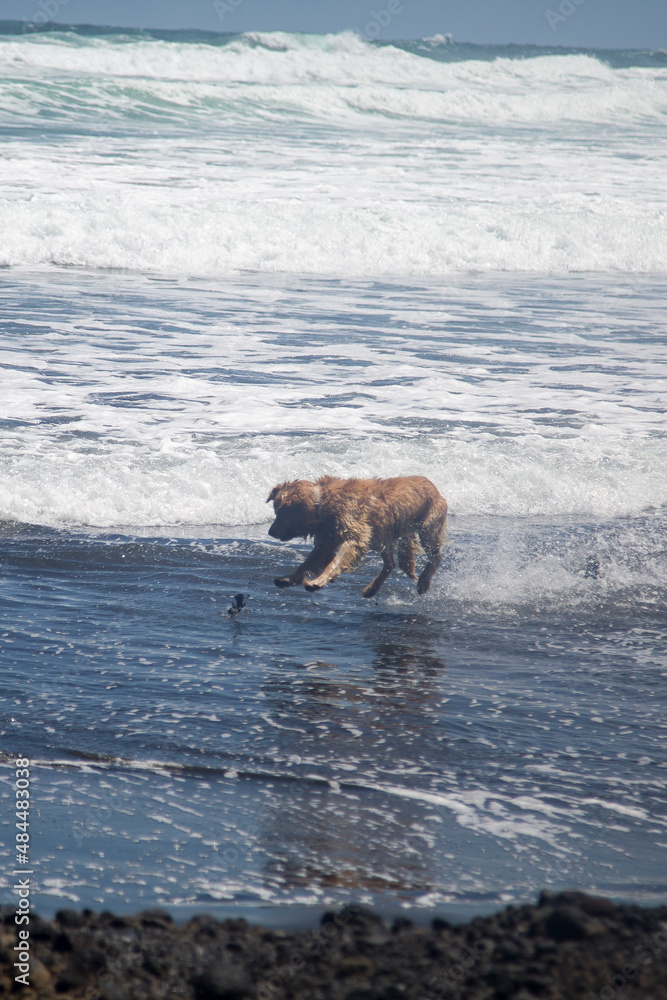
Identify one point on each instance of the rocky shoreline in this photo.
(569, 945)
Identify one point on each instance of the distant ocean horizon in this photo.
(441, 46)
(230, 260)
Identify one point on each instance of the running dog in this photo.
(347, 517)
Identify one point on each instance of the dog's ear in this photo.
(273, 494)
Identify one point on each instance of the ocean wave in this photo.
(543, 88)
(325, 155)
(169, 482)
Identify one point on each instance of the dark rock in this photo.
(155, 918)
(359, 919)
(273, 935)
(569, 944)
(302, 984)
(632, 919)
(70, 918)
(502, 976)
(62, 942)
(538, 984)
(438, 925)
(223, 982)
(508, 950)
(40, 930)
(82, 966)
(205, 927)
(236, 946)
(595, 906)
(40, 977)
(505, 987)
(357, 965)
(156, 965)
(545, 947)
(239, 925)
(118, 923)
(546, 897)
(569, 923)
(394, 993)
(367, 928)
(117, 991)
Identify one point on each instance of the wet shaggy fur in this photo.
(347, 517)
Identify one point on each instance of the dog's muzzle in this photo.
(283, 536)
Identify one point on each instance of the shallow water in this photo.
(457, 751)
(230, 261)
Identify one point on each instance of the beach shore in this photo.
(568, 945)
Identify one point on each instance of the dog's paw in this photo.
(310, 587)
(423, 585)
(369, 591)
(282, 581)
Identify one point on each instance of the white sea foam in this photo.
(174, 417)
(498, 816)
(326, 155)
(227, 483)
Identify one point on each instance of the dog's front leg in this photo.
(314, 562)
(346, 557)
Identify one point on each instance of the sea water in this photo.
(229, 261)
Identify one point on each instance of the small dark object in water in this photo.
(592, 570)
(236, 607)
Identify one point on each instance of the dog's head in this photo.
(296, 510)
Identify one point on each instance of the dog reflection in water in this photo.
(347, 517)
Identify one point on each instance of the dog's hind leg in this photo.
(346, 558)
(389, 560)
(408, 548)
(431, 535)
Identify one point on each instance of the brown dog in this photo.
(347, 517)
